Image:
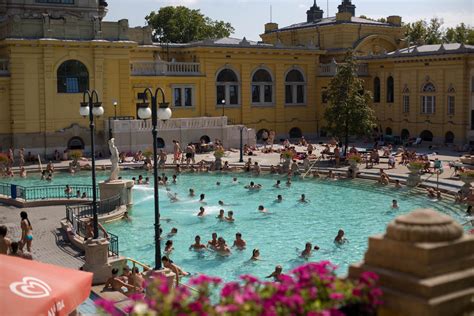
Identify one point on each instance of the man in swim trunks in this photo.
(197, 244)
(213, 242)
(222, 247)
(5, 242)
(239, 243)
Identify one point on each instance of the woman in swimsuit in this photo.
(26, 228)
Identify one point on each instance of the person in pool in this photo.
(168, 263)
(173, 232)
(197, 244)
(288, 182)
(279, 198)
(230, 217)
(235, 181)
(277, 184)
(394, 204)
(239, 243)
(303, 199)
(221, 203)
(262, 209)
(168, 247)
(340, 239)
(201, 212)
(276, 274)
(397, 184)
(213, 243)
(255, 255)
(308, 251)
(221, 215)
(253, 186)
(202, 197)
(222, 247)
(191, 193)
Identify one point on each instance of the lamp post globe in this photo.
(98, 110)
(144, 113)
(84, 110)
(164, 113)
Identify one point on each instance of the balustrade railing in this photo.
(47, 192)
(185, 123)
(163, 68)
(330, 70)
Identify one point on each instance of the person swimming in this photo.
(262, 209)
(253, 186)
(394, 204)
(277, 184)
(213, 243)
(230, 217)
(340, 239)
(201, 212)
(308, 251)
(173, 232)
(222, 247)
(276, 274)
(255, 255)
(169, 247)
(202, 197)
(221, 215)
(303, 199)
(191, 193)
(197, 244)
(239, 243)
(235, 181)
(279, 198)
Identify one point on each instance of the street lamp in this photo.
(92, 107)
(115, 103)
(223, 106)
(163, 112)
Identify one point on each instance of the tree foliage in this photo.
(348, 113)
(183, 25)
(422, 32)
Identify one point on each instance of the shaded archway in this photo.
(205, 139)
(388, 131)
(449, 138)
(295, 132)
(426, 136)
(405, 134)
(75, 143)
(160, 142)
(260, 133)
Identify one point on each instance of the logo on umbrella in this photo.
(31, 287)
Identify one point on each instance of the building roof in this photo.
(235, 43)
(425, 50)
(329, 21)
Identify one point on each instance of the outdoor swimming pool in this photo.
(361, 208)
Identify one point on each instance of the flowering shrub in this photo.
(147, 153)
(354, 157)
(3, 159)
(416, 165)
(219, 153)
(287, 154)
(75, 154)
(467, 174)
(312, 289)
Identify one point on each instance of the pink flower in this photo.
(204, 279)
(107, 306)
(229, 288)
(357, 292)
(368, 278)
(195, 307)
(227, 308)
(249, 279)
(336, 296)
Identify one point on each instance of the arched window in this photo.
(390, 90)
(261, 132)
(75, 143)
(376, 90)
(72, 77)
(227, 88)
(449, 138)
(295, 132)
(406, 100)
(428, 99)
(405, 134)
(426, 136)
(205, 139)
(451, 101)
(160, 142)
(295, 88)
(262, 87)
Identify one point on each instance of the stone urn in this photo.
(414, 177)
(218, 160)
(353, 168)
(286, 164)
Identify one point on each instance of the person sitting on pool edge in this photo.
(197, 244)
(168, 263)
(116, 284)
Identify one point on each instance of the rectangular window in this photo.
(268, 94)
(188, 97)
(177, 97)
(324, 96)
(220, 95)
(288, 94)
(183, 96)
(428, 104)
(300, 94)
(451, 105)
(406, 104)
(234, 95)
(255, 94)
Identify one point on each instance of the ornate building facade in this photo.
(53, 50)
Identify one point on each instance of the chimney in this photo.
(347, 6)
(314, 13)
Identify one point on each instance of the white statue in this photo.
(114, 159)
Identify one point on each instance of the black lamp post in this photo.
(115, 103)
(223, 107)
(163, 112)
(241, 144)
(92, 107)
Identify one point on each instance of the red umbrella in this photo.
(32, 288)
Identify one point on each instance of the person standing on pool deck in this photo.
(239, 243)
(26, 228)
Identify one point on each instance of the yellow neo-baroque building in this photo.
(53, 50)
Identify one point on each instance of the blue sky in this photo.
(249, 16)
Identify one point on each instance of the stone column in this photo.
(425, 263)
(97, 260)
(123, 188)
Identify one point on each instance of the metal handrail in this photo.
(47, 192)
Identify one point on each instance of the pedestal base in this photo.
(169, 275)
(117, 187)
(413, 180)
(97, 260)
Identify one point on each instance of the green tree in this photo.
(459, 34)
(434, 34)
(348, 113)
(183, 25)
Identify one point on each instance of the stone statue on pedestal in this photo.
(114, 159)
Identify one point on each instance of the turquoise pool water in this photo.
(361, 208)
